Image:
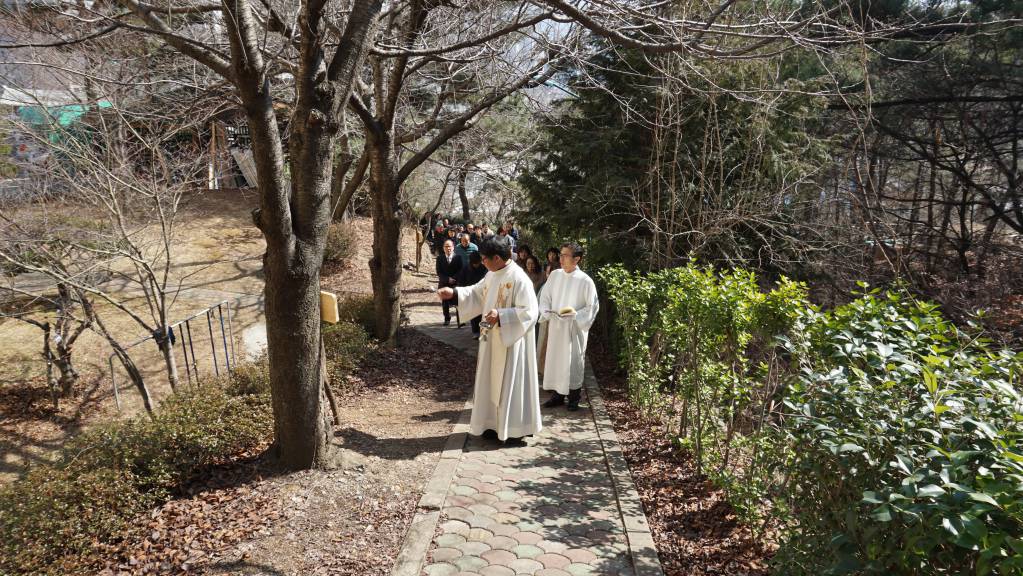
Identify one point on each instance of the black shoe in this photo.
(490, 434)
(515, 443)
(573, 399)
(555, 400)
(447, 321)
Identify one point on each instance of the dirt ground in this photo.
(217, 258)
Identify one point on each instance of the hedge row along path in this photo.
(563, 505)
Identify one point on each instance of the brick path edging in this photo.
(637, 531)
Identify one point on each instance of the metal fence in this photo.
(183, 340)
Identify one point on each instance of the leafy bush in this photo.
(52, 519)
(701, 350)
(908, 457)
(250, 378)
(190, 430)
(346, 343)
(358, 309)
(56, 516)
(342, 242)
(877, 438)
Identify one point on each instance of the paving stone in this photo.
(483, 509)
(463, 490)
(525, 566)
(484, 498)
(527, 537)
(457, 500)
(503, 557)
(445, 554)
(552, 547)
(495, 570)
(479, 535)
(527, 551)
(506, 518)
(473, 548)
(564, 505)
(478, 521)
(459, 513)
(449, 540)
(553, 560)
(506, 495)
(503, 529)
(529, 526)
(502, 543)
(455, 527)
(579, 555)
(490, 487)
(469, 563)
(441, 569)
(580, 569)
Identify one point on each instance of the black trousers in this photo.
(475, 324)
(446, 304)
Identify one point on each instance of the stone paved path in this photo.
(562, 505)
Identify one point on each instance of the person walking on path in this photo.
(506, 395)
(448, 267)
(465, 248)
(469, 276)
(568, 307)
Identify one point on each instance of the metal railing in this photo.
(181, 332)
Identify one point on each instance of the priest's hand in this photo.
(446, 293)
(493, 318)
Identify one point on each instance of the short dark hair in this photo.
(576, 249)
(496, 246)
(475, 258)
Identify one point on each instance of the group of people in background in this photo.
(515, 362)
(458, 262)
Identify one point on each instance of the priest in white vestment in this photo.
(568, 307)
(506, 398)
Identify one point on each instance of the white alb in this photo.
(506, 395)
(566, 335)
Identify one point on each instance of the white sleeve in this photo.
(470, 299)
(516, 321)
(585, 316)
(545, 302)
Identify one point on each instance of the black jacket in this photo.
(469, 275)
(445, 270)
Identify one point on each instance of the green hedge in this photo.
(875, 438)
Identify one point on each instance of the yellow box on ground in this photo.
(328, 307)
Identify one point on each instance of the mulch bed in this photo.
(244, 518)
(222, 507)
(694, 528)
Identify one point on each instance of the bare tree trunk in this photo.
(385, 265)
(167, 349)
(129, 365)
(462, 174)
